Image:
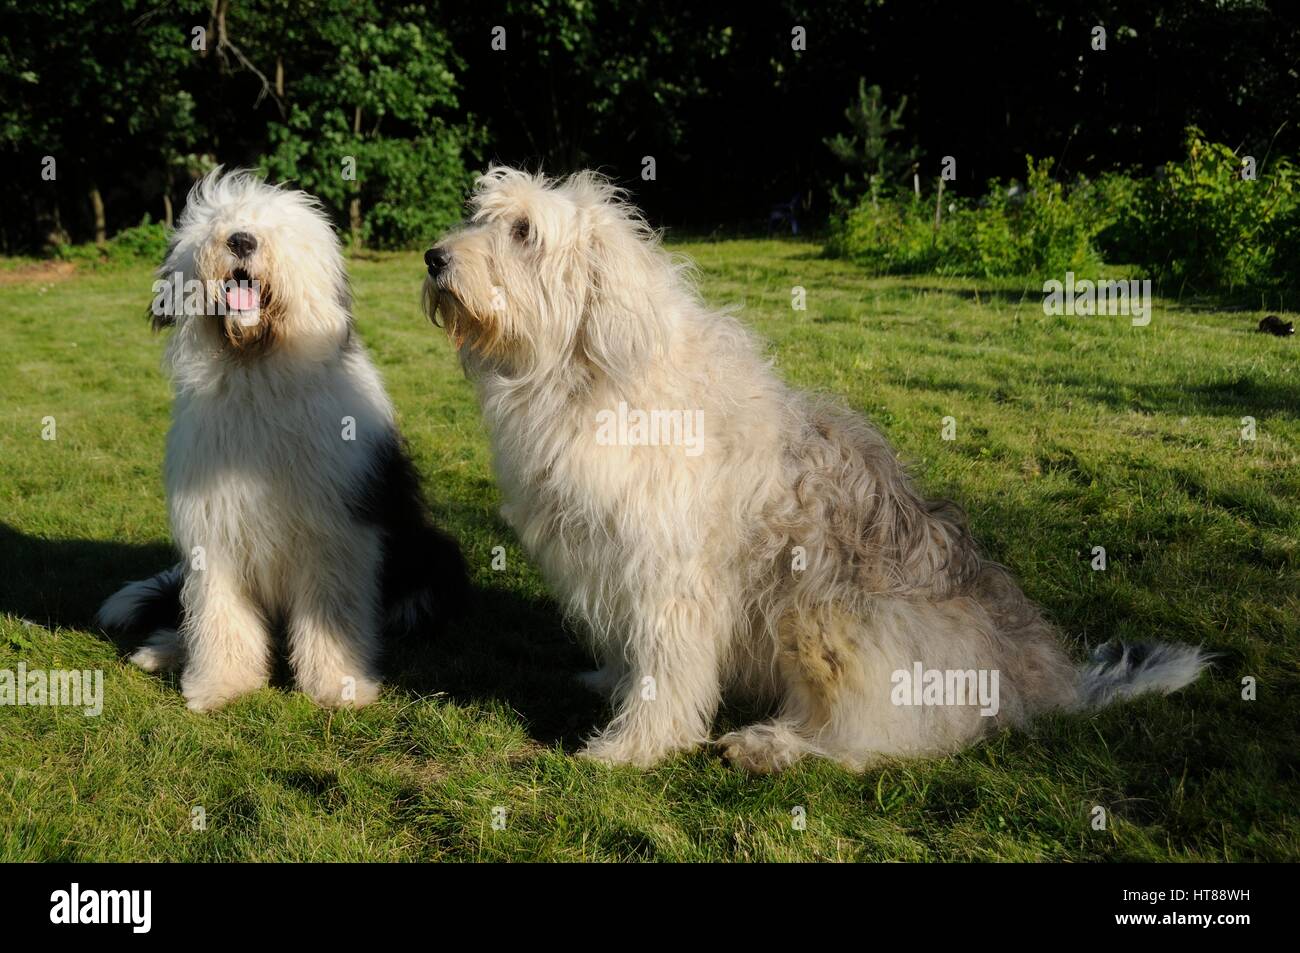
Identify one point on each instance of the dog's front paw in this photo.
(638, 752)
(209, 693)
(614, 755)
(345, 692)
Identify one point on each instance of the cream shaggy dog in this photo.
(292, 501)
(778, 553)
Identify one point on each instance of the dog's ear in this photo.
(343, 298)
(623, 324)
(168, 289)
(166, 299)
(158, 321)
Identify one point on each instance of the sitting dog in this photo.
(291, 497)
(714, 531)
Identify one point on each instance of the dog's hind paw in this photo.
(764, 749)
(161, 652)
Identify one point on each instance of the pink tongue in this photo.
(240, 298)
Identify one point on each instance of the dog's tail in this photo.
(426, 582)
(1119, 670)
(144, 605)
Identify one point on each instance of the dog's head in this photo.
(253, 269)
(545, 274)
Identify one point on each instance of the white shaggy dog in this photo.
(779, 552)
(292, 501)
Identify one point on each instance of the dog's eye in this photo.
(520, 230)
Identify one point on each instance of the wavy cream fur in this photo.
(682, 571)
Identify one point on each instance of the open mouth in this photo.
(243, 294)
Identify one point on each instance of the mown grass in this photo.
(1071, 433)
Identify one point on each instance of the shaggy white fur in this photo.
(789, 559)
(283, 461)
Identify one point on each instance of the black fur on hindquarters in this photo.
(424, 576)
(157, 602)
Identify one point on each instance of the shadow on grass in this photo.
(510, 650)
(1030, 294)
(503, 648)
(1239, 397)
(1230, 302)
(61, 582)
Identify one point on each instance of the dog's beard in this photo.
(248, 322)
(465, 329)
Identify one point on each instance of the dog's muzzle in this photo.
(437, 260)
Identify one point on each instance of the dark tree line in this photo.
(131, 107)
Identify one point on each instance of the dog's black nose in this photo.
(242, 244)
(436, 259)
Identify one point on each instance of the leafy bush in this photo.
(1201, 223)
(410, 189)
(889, 237)
(419, 189)
(1038, 230)
(144, 242)
(147, 241)
(369, 129)
(1114, 200)
(1049, 232)
(1285, 240)
(1197, 223)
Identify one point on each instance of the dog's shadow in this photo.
(508, 649)
(500, 647)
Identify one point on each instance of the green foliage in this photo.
(888, 237)
(418, 189)
(409, 189)
(1197, 224)
(1203, 225)
(1114, 198)
(144, 242)
(878, 163)
(118, 91)
(143, 109)
(1039, 230)
(371, 108)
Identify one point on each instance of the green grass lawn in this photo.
(1072, 432)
